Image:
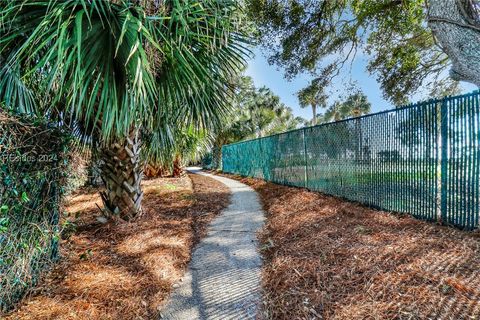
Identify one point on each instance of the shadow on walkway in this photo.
(223, 280)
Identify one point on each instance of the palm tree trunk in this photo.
(314, 118)
(122, 174)
(155, 171)
(177, 167)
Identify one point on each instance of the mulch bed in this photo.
(125, 270)
(326, 258)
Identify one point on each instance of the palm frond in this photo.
(88, 54)
(14, 92)
(203, 50)
(105, 66)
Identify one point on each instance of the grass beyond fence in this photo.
(422, 159)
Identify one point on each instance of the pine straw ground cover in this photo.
(126, 270)
(326, 258)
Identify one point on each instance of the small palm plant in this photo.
(109, 70)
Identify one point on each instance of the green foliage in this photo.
(32, 180)
(256, 112)
(108, 68)
(320, 37)
(314, 96)
(187, 143)
(105, 66)
(355, 105)
(207, 44)
(94, 55)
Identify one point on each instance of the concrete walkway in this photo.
(223, 279)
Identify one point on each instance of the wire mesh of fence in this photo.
(421, 159)
(32, 169)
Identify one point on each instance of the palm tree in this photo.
(167, 156)
(256, 112)
(312, 96)
(111, 71)
(284, 120)
(334, 113)
(355, 105)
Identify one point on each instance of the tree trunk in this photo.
(456, 27)
(155, 171)
(122, 174)
(177, 167)
(314, 110)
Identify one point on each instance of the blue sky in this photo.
(265, 75)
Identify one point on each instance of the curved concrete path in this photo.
(223, 279)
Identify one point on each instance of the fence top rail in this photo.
(408, 106)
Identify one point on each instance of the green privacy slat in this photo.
(463, 176)
(421, 159)
(444, 173)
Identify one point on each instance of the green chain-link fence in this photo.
(32, 173)
(421, 159)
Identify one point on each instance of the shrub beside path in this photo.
(223, 278)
